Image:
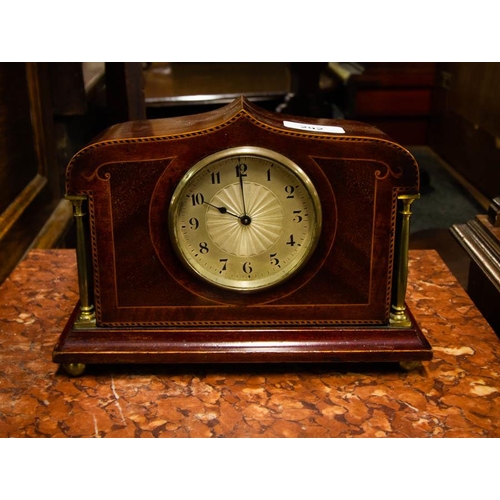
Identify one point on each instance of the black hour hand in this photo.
(222, 210)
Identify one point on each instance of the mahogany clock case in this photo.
(150, 308)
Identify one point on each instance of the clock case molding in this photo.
(138, 304)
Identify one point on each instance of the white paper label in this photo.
(308, 127)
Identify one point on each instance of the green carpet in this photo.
(443, 200)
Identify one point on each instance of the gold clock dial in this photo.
(245, 218)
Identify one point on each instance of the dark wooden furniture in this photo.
(480, 238)
(466, 124)
(125, 96)
(139, 304)
(494, 212)
(395, 97)
(181, 88)
(31, 212)
(48, 111)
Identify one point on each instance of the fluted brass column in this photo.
(398, 316)
(86, 317)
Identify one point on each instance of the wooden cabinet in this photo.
(480, 238)
(396, 97)
(29, 178)
(466, 123)
(45, 117)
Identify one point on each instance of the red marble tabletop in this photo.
(456, 394)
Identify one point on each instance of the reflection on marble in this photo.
(454, 395)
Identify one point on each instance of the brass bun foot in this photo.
(408, 366)
(74, 369)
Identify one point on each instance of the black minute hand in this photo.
(242, 191)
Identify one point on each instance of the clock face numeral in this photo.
(241, 169)
(247, 268)
(204, 247)
(289, 190)
(197, 199)
(245, 219)
(274, 260)
(215, 176)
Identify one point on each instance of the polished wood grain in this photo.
(297, 344)
(147, 301)
(357, 175)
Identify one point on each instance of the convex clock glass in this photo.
(245, 218)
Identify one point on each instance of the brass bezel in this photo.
(259, 152)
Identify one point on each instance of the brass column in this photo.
(86, 317)
(399, 316)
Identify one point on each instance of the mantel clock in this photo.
(239, 236)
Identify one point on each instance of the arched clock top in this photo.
(240, 120)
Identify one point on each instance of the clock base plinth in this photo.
(326, 344)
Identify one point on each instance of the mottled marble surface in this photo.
(457, 394)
